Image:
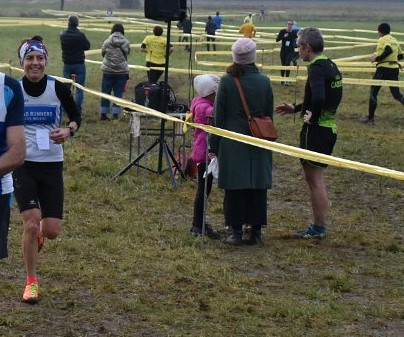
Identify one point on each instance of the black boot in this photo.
(235, 238)
(255, 238)
(209, 232)
(247, 229)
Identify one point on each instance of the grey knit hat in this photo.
(244, 51)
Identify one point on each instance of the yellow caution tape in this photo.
(274, 146)
(188, 119)
(301, 153)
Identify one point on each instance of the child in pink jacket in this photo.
(201, 109)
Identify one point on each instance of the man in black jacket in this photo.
(210, 29)
(186, 26)
(288, 37)
(74, 43)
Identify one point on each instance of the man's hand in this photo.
(372, 58)
(285, 109)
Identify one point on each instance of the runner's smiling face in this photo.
(34, 65)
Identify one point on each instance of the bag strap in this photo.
(123, 53)
(240, 90)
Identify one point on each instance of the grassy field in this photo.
(125, 264)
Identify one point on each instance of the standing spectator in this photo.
(12, 148)
(38, 182)
(210, 29)
(262, 13)
(186, 29)
(179, 26)
(74, 43)
(245, 171)
(295, 29)
(248, 30)
(155, 47)
(388, 53)
(217, 19)
(201, 109)
(323, 93)
(288, 38)
(115, 69)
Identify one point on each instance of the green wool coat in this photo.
(242, 166)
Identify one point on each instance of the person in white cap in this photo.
(245, 171)
(201, 109)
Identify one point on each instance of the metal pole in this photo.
(205, 194)
(164, 97)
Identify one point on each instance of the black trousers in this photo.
(286, 58)
(185, 39)
(4, 223)
(154, 75)
(208, 39)
(383, 73)
(200, 192)
(245, 207)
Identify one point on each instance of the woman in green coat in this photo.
(245, 171)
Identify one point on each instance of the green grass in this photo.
(125, 264)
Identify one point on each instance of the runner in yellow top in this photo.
(388, 52)
(155, 47)
(248, 29)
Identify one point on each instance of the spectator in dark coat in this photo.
(74, 43)
(245, 171)
(186, 29)
(210, 29)
(288, 37)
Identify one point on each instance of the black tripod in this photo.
(161, 141)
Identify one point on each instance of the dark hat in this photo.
(384, 28)
(73, 21)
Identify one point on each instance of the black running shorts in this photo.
(317, 139)
(40, 185)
